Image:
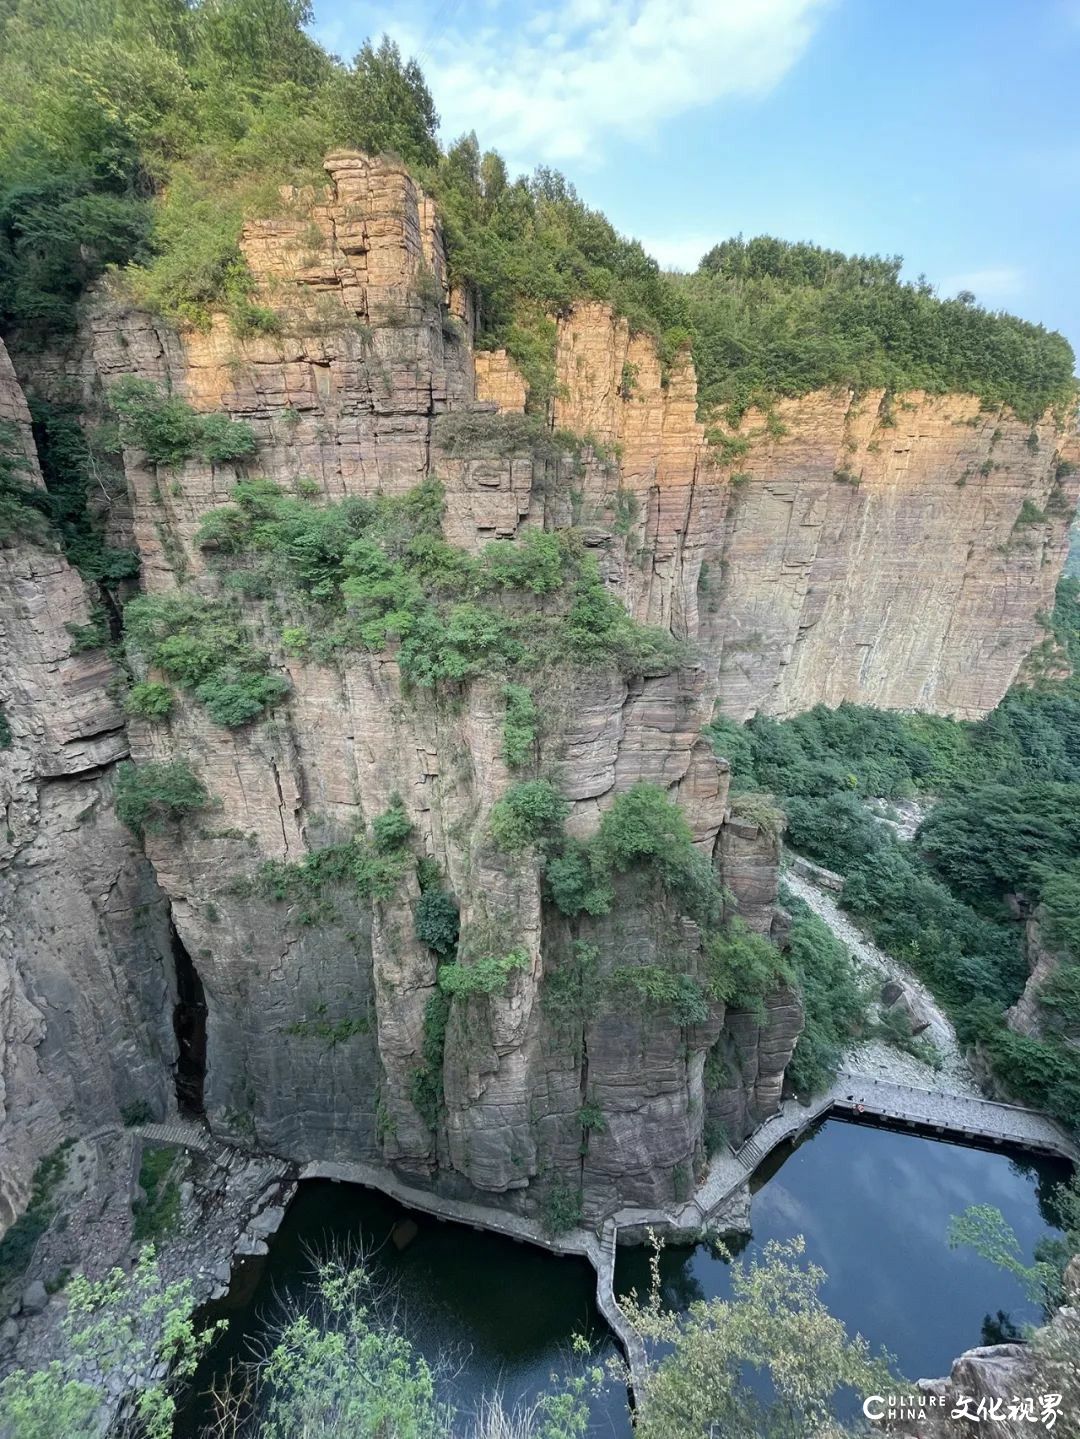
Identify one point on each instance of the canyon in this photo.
(900, 551)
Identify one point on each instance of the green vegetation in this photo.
(485, 975)
(435, 920)
(835, 999)
(149, 699)
(328, 1031)
(170, 431)
(1006, 822)
(199, 645)
(520, 727)
(114, 1328)
(642, 827)
(529, 813)
(82, 476)
(572, 992)
(151, 796)
(140, 139)
(771, 318)
(22, 505)
(983, 1227)
(644, 833)
(157, 1213)
(373, 867)
(426, 1081)
(138, 1111)
(770, 1361)
(743, 967)
(377, 574)
(390, 831)
(90, 636)
(78, 474)
(18, 1244)
(562, 1206)
(652, 986)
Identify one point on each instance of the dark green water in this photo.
(502, 1314)
(874, 1208)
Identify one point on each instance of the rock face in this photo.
(86, 987)
(792, 586)
(894, 552)
(1029, 1015)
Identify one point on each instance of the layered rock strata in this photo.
(86, 975)
(790, 583)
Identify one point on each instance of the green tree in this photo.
(382, 105)
(775, 1325)
(125, 1324)
(150, 796)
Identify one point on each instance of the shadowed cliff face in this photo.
(85, 977)
(909, 589)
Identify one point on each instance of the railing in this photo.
(964, 1118)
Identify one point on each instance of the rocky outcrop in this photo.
(86, 988)
(895, 551)
(789, 583)
(904, 1007)
(1030, 1015)
(316, 1031)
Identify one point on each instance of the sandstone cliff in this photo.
(86, 973)
(793, 585)
(894, 551)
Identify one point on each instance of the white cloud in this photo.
(989, 286)
(678, 252)
(551, 82)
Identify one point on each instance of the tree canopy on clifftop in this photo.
(138, 134)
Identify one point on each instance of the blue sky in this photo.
(944, 130)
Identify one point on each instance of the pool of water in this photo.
(500, 1315)
(874, 1209)
(873, 1206)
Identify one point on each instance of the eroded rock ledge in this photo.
(917, 586)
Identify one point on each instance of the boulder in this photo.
(898, 1000)
(35, 1298)
(817, 874)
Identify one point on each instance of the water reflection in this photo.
(874, 1207)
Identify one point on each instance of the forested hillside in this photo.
(1001, 841)
(138, 133)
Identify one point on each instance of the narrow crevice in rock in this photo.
(189, 1026)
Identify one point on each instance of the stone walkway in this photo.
(959, 1116)
(950, 1115)
(185, 1134)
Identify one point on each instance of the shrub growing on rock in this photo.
(170, 431)
(436, 922)
(150, 700)
(150, 796)
(527, 814)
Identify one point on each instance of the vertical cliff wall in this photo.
(86, 980)
(900, 551)
(790, 582)
(318, 1009)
